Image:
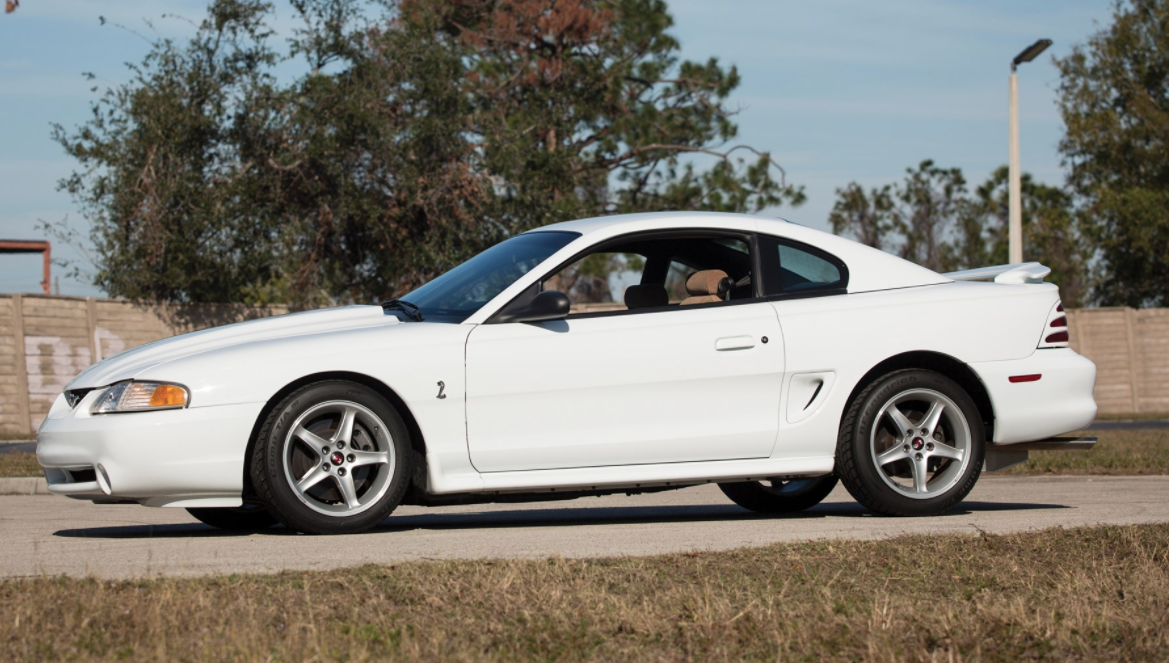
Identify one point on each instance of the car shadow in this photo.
(439, 520)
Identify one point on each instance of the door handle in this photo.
(734, 343)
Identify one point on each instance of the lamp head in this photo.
(1030, 53)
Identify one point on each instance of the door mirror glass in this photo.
(548, 305)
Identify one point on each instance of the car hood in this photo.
(130, 363)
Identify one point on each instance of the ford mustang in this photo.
(621, 354)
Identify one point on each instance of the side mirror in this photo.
(549, 305)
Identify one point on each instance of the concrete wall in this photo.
(1131, 351)
(45, 341)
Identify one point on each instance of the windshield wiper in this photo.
(404, 306)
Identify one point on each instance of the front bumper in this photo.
(189, 457)
(1059, 401)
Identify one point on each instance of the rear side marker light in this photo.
(1057, 337)
(1025, 378)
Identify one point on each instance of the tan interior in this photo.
(703, 287)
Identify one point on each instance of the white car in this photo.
(621, 354)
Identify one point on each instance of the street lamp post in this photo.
(1015, 204)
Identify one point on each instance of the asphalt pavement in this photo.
(43, 535)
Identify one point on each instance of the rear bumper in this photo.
(1059, 401)
(190, 457)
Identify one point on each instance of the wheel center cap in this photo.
(337, 458)
(918, 443)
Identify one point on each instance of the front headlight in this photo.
(133, 396)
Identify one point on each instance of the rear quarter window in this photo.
(797, 269)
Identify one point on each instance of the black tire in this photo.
(893, 488)
(786, 496)
(247, 518)
(346, 492)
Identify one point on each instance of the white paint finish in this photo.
(851, 334)
(806, 393)
(624, 389)
(133, 362)
(197, 451)
(609, 400)
(1059, 402)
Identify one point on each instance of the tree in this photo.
(1052, 233)
(930, 200)
(911, 218)
(867, 217)
(932, 219)
(415, 137)
(1114, 99)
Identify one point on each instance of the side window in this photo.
(798, 269)
(597, 282)
(657, 273)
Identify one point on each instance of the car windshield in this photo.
(455, 295)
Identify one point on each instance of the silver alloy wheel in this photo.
(339, 458)
(920, 443)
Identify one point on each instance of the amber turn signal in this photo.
(168, 395)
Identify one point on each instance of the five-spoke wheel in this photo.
(332, 458)
(911, 443)
(920, 443)
(339, 458)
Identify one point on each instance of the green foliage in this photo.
(1114, 98)
(932, 219)
(415, 135)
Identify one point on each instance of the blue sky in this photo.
(837, 90)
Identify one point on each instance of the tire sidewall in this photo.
(280, 497)
(752, 495)
(866, 469)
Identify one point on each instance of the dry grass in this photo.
(20, 464)
(1083, 594)
(1118, 452)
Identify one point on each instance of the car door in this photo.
(611, 385)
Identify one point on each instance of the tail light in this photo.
(1055, 332)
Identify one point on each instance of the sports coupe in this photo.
(622, 354)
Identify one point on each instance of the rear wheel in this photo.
(780, 495)
(332, 459)
(911, 444)
(246, 518)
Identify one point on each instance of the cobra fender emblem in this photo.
(441, 388)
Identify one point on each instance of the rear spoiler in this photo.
(1024, 272)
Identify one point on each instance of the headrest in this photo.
(708, 282)
(646, 296)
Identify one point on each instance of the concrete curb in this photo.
(23, 486)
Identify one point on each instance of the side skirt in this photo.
(622, 478)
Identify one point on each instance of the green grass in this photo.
(20, 464)
(1116, 452)
(1091, 594)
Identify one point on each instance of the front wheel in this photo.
(332, 458)
(911, 444)
(780, 495)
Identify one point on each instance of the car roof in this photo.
(869, 269)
